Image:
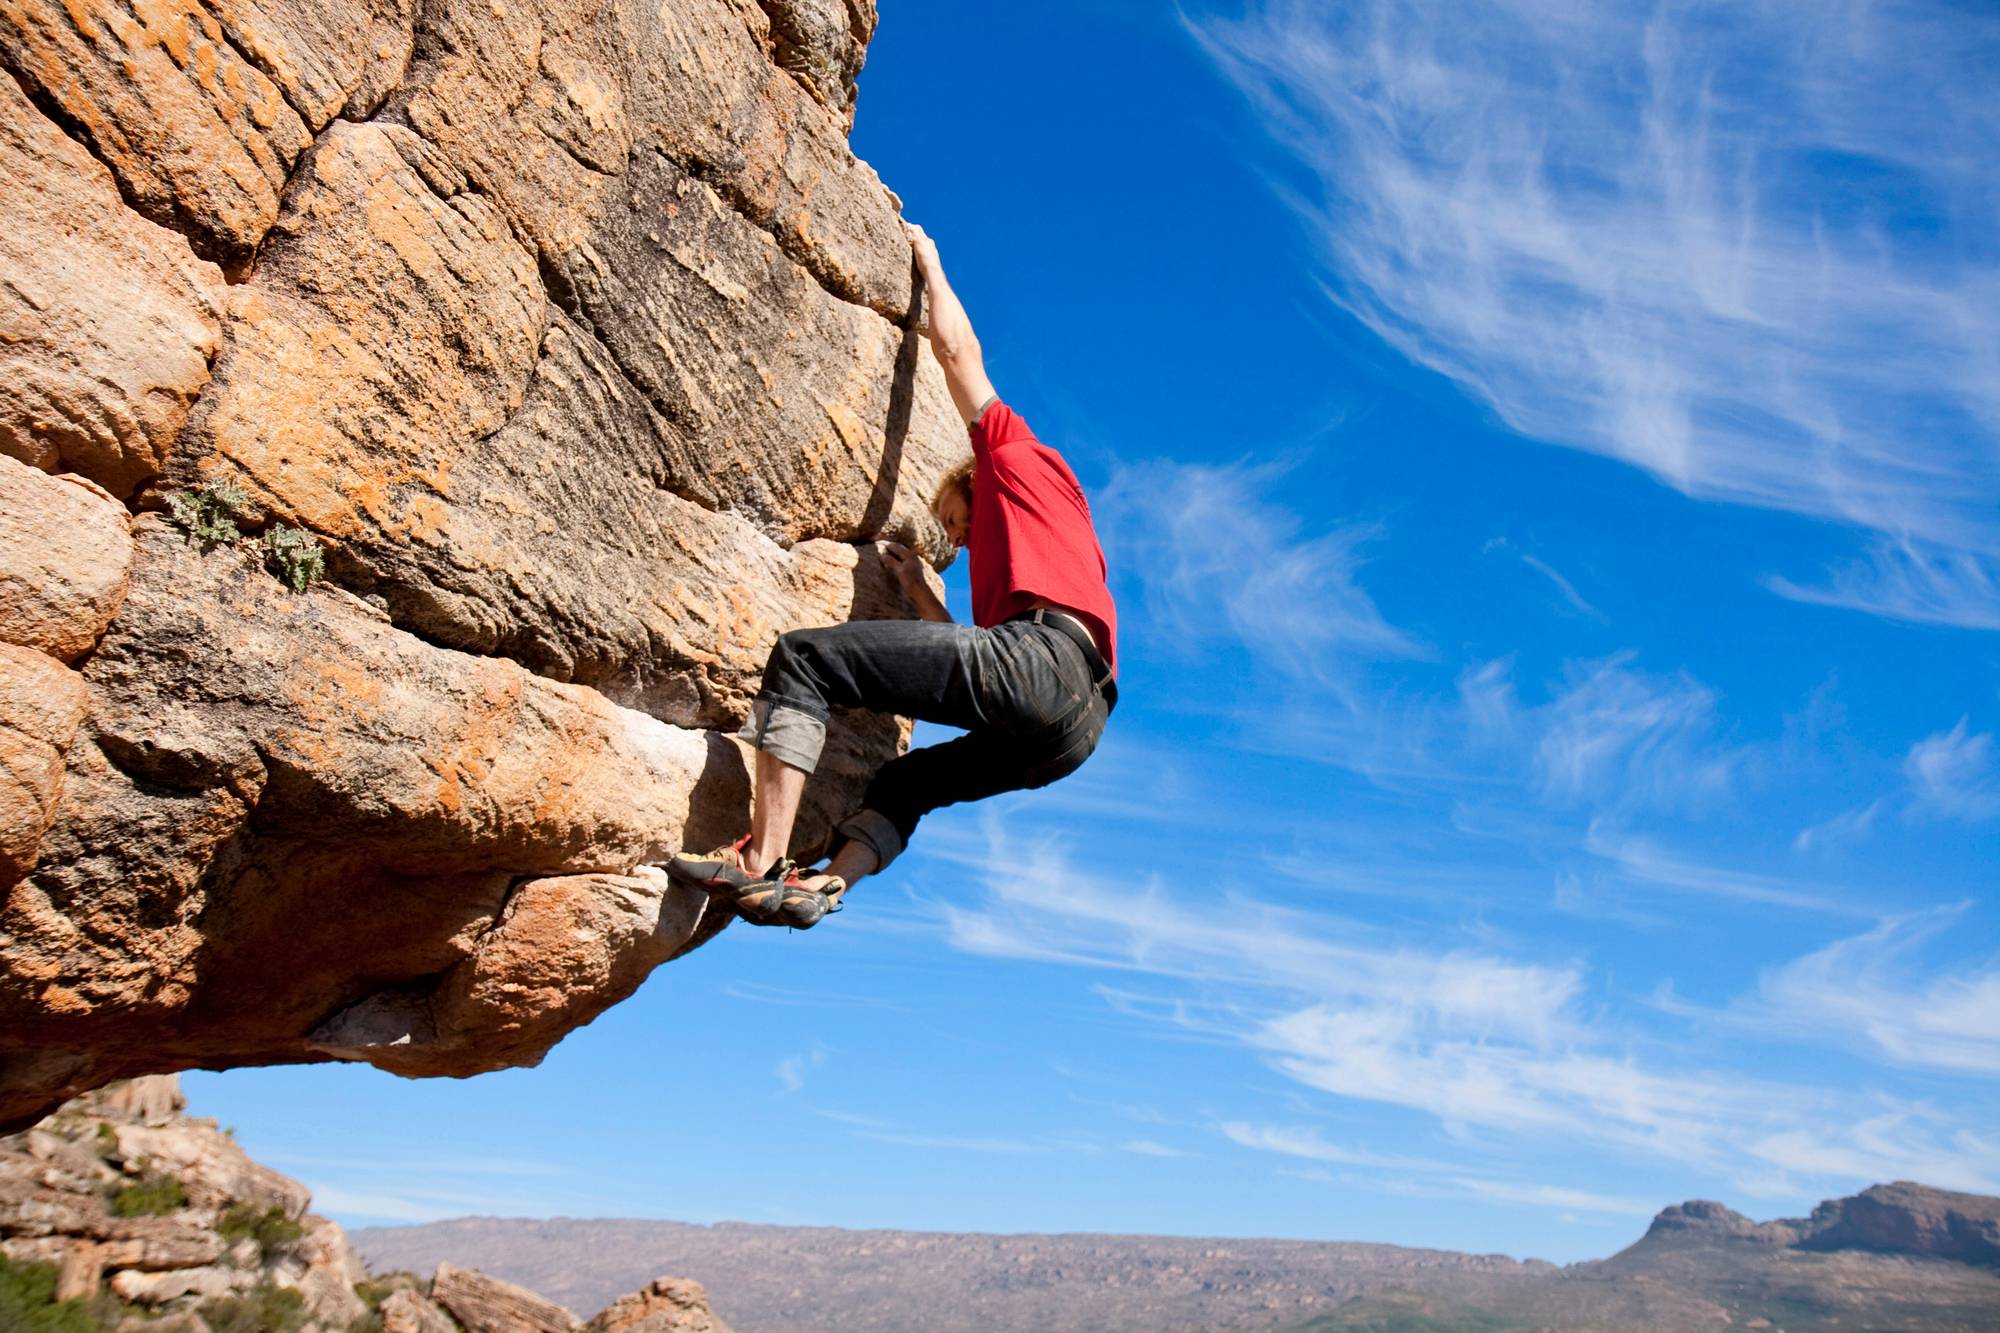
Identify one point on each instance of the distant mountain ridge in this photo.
(1899, 1218)
(1902, 1256)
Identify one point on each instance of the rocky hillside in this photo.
(1894, 1257)
(416, 423)
(120, 1213)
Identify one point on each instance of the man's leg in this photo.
(914, 668)
(774, 807)
(971, 767)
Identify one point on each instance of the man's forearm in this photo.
(927, 604)
(952, 339)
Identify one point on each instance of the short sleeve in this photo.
(997, 426)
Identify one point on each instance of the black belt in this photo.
(1073, 629)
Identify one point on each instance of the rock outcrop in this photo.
(153, 1219)
(482, 1302)
(583, 349)
(164, 1212)
(664, 1305)
(1898, 1218)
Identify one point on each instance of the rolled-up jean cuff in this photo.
(873, 830)
(789, 734)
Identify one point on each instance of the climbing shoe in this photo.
(785, 900)
(717, 870)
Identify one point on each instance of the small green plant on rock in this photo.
(107, 1139)
(209, 512)
(152, 1196)
(264, 1308)
(294, 556)
(270, 1227)
(28, 1303)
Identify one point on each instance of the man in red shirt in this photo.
(1032, 680)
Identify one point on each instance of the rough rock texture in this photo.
(408, 1311)
(233, 1230)
(65, 556)
(664, 1305)
(488, 1305)
(107, 322)
(58, 1191)
(1908, 1218)
(581, 343)
(42, 704)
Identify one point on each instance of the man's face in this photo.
(956, 514)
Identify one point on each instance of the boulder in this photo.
(664, 1305)
(486, 1304)
(201, 1283)
(407, 1311)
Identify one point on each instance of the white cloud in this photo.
(1570, 595)
(793, 1069)
(1437, 1179)
(1151, 1148)
(1476, 1041)
(1845, 827)
(1909, 580)
(1953, 773)
(1217, 560)
(1720, 242)
(1613, 724)
(1643, 861)
(1876, 991)
(1611, 737)
(1550, 1196)
(1307, 1142)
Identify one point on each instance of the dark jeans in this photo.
(1023, 693)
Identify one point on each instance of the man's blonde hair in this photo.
(958, 479)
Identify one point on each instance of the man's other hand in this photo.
(904, 564)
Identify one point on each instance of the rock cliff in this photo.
(580, 349)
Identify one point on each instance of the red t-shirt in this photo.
(1030, 539)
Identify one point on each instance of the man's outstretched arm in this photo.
(952, 340)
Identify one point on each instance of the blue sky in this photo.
(1549, 459)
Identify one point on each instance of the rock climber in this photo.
(1031, 682)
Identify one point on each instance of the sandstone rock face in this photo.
(582, 345)
(665, 1305)
(107, 322)
(485, 1304)
(65, 556)
(42, 704)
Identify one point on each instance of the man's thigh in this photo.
(916, 668)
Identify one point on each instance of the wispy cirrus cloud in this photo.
(1720, 242)
(1217, 560)
(1419, 1175)
(1644, 861)
(1610, 737)
(1482, 1043)
(1953, 773)
(1882, 992)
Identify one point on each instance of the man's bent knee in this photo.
(875, 831)
(784, 732)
